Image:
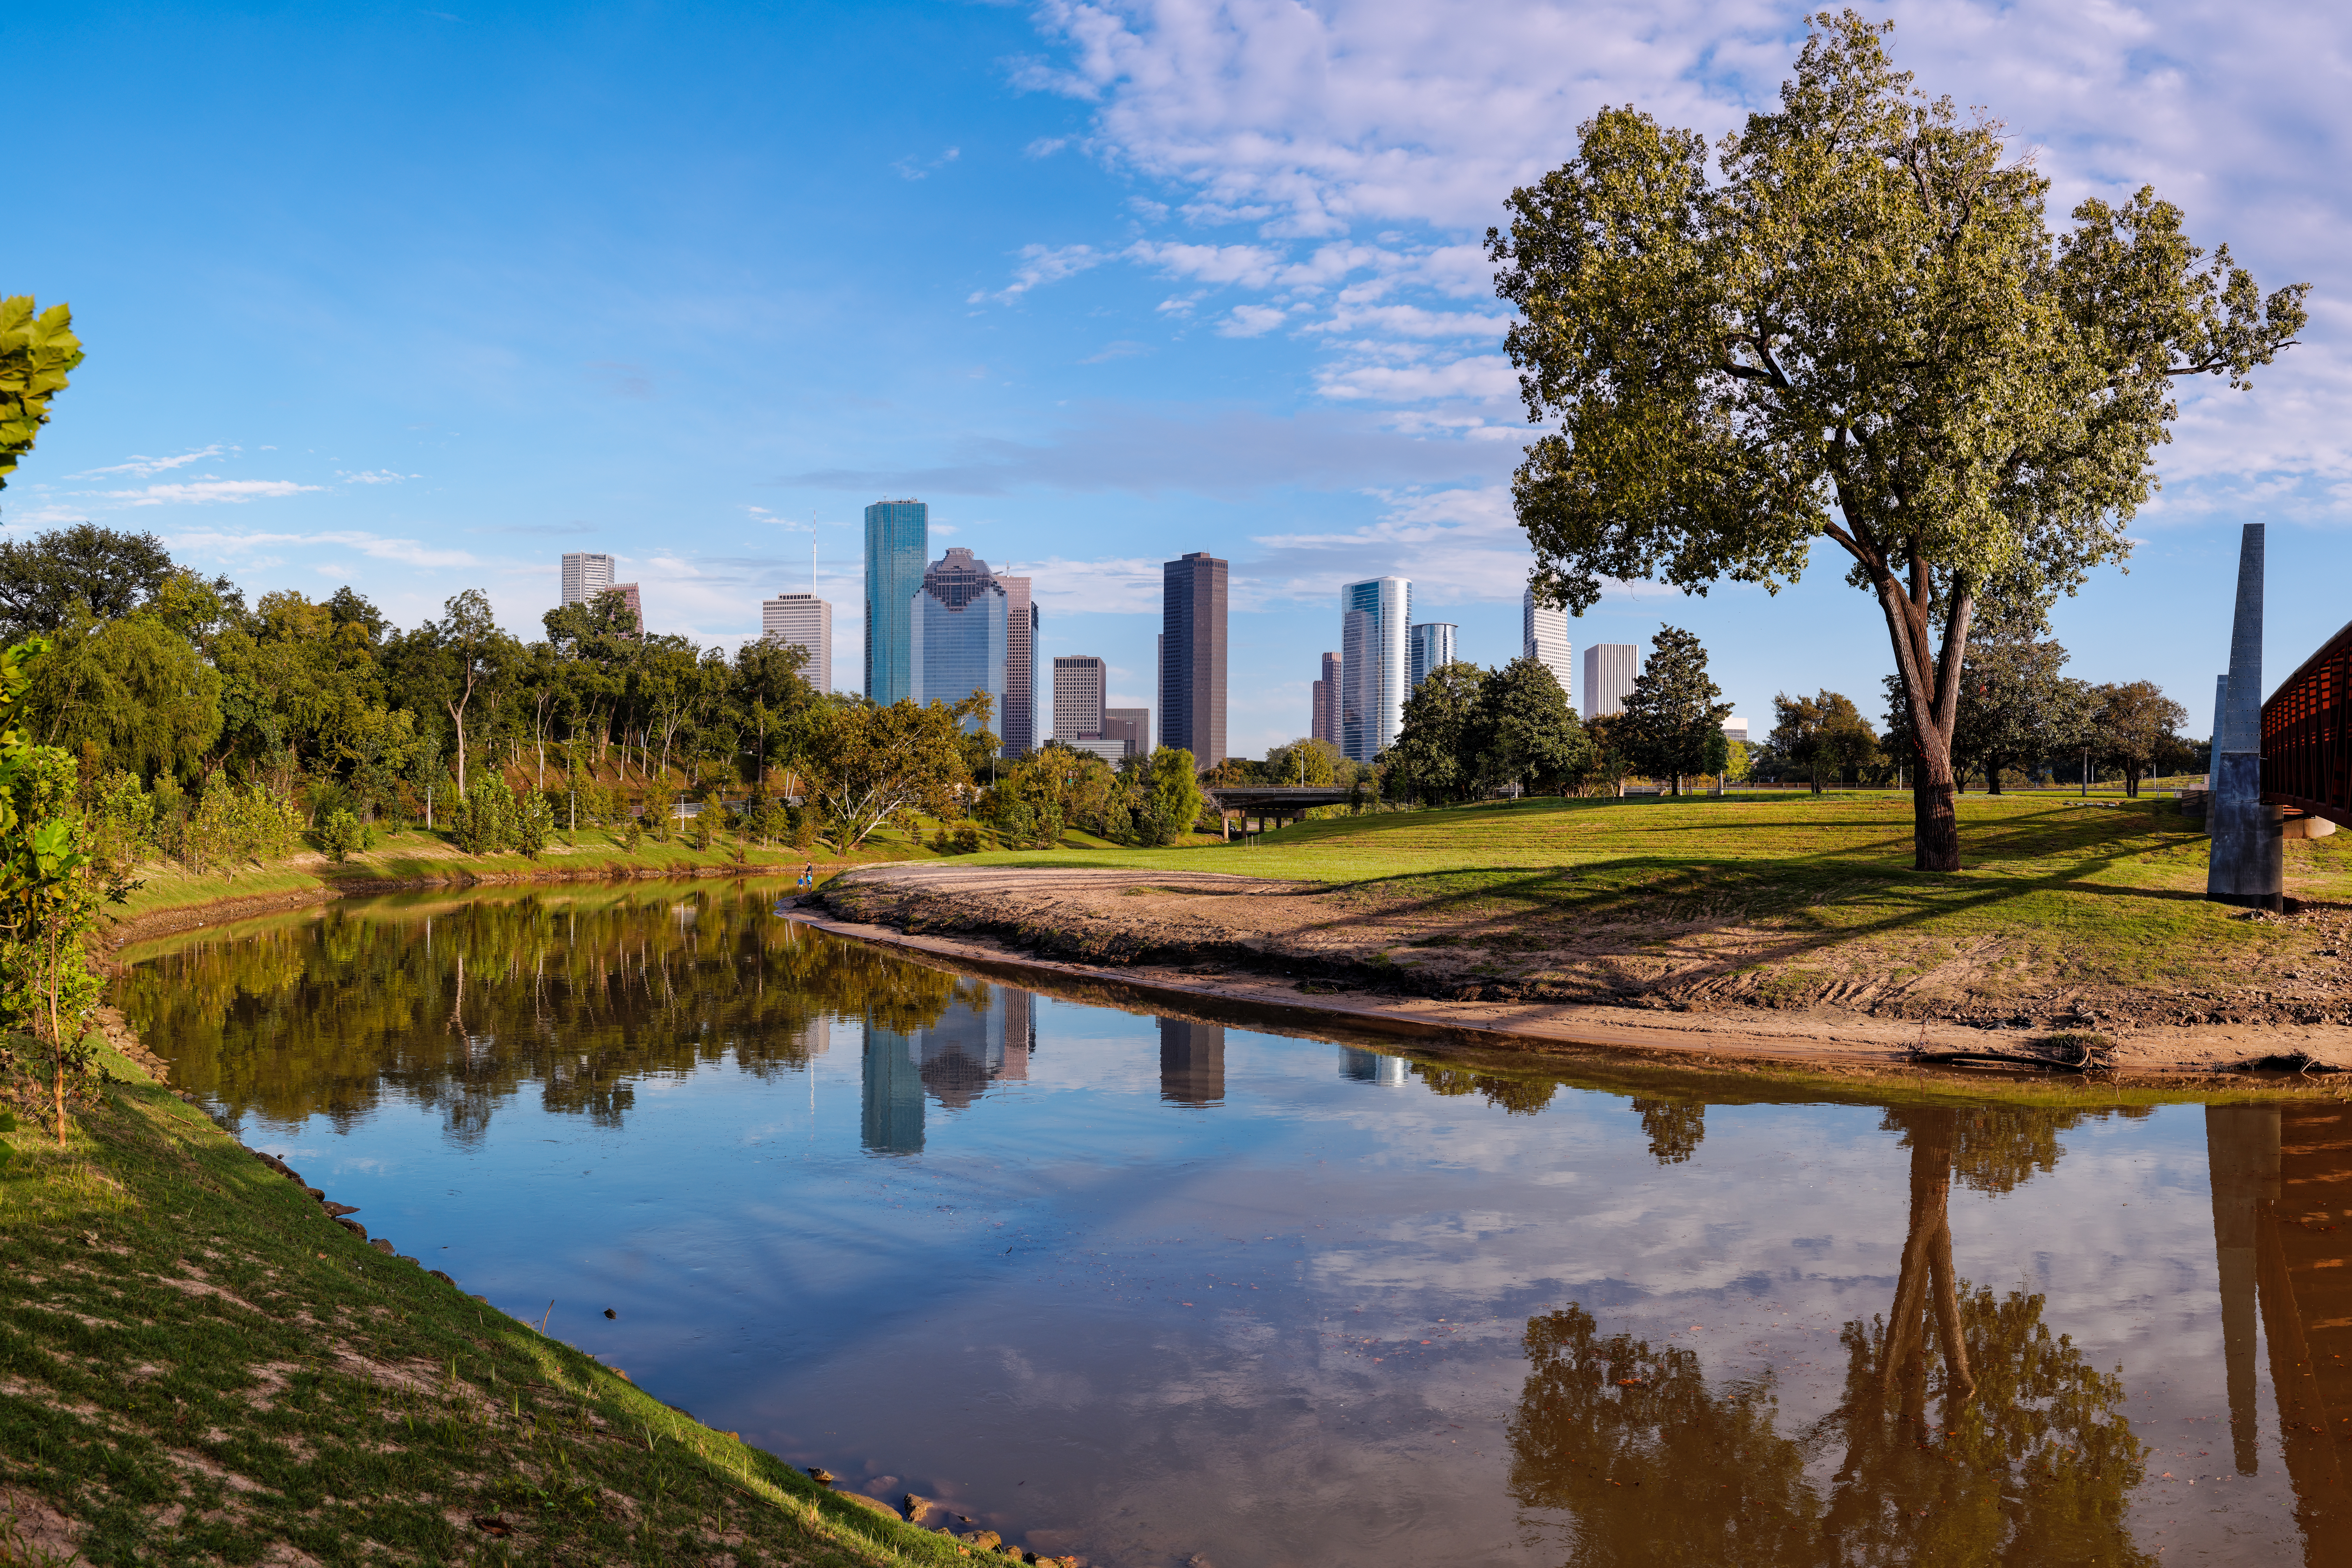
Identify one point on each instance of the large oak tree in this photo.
(1864, 331)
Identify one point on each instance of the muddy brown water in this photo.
(1159, 1291)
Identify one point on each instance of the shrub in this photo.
(534, 823)
(632, 833)
(338, 836)
(967, 839)
(804, 828)
(488, 820)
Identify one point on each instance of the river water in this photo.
(1159, 1291)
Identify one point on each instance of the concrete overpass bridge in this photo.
(1271, 805)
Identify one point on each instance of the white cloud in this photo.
(1410, 124)
(141, 468)
(1249, 322)
(375, 477)
(198, 493)
(407, 552)
(1486, 378)
(1042, 264)
(1412, 321)
(914, 169)
(1253, 266)
(1112, 585)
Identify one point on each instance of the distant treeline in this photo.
(192, 724)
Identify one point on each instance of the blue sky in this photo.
(418, 299)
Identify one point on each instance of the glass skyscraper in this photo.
(1375, 664)
(959, 617)
(1432, 646)
(898, 543)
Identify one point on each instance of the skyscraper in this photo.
(1374, 664)
(1325, 726)
(897, 544)
(957, 621)
(1543, 636)
(1608, 671)
(1432, 646)
(628, 592)
(1079, 683)
(585, 575)
(1131, 725)
(803, 621)
(1192, 658)
(1017, 723)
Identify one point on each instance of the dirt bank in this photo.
(220, 911)
(1344, 956)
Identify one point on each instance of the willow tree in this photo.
(1864, 331)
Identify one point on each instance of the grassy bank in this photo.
(198, 1365)
(1797, 900)
(417, 858)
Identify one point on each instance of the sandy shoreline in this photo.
(1250, 975)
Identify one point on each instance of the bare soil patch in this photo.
(1712, 982)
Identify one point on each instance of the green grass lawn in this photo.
(1815, 891)
(196, 1364)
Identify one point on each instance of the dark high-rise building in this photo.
(1325, 726)
(1192, 658)
(898, 547)
(1191, 1062)
(1018, 722)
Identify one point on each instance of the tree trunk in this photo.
(1992, 778)
(458, 715)
(1814, 774)
(1931, 685)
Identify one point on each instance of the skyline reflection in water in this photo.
(1146, 1287)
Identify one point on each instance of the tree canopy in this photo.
(1865, 330)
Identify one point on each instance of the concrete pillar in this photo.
(2247, 864)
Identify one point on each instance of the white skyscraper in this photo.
(1375, 664)
(585, 576)
(1433, 645)
(1543, 636)
(801, 620)
(1608, 671)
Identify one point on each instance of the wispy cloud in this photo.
(141, 468)
(407, 552)
(375, 477)
(200, 492)
(1042, 264)
(910, 168)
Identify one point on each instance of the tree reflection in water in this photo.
(2030, 1463)
(457, 1005)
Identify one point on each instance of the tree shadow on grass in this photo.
(1642, 893)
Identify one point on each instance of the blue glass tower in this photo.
(959, 627)
(898, 545)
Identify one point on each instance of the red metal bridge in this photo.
(2308, 735)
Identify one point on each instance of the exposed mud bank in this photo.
(1306, 952)
(221, 911)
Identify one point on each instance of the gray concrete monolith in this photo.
(2248, 860)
